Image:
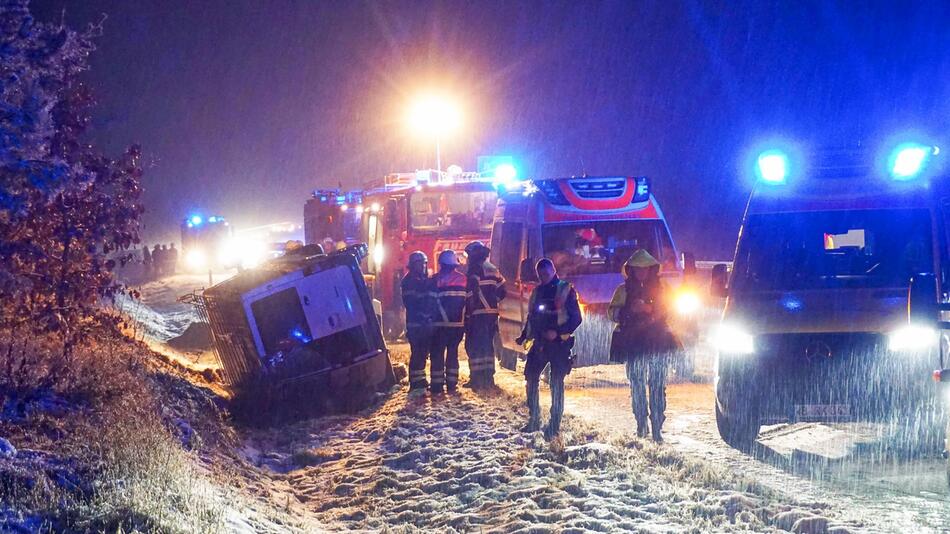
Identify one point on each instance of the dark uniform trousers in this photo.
(444, 370)
(480, 332)
(557, 354)
(420, 343)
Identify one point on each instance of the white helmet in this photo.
(449, 258)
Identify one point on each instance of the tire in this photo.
(740, 430)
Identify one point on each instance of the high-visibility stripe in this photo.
(449, 324)
(452, 293)
(489, 282)
(485, 311)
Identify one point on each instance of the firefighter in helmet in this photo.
(418, 300)
(448, 286)
(643, 339)
(485, 289)
(553, 316)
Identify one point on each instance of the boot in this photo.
(643, 429)
(657, 434)
(533, 426)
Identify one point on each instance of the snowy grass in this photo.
(148, 483)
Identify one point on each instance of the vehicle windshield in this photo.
(452, 213)
(603, 247)
(814, 250)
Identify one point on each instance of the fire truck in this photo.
(202, 239)
(332, 216)
(429, 211)
(425, 210)
(588, 226)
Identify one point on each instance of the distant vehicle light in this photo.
(687, 302)
(212, 219)
(912, 338)
(359, 209)
(196, 220)
(196, 260)
(344, 207)
(772, 167)
(733, 339)
(375, 207)
(909, 159)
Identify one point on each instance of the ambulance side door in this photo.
(506, 250)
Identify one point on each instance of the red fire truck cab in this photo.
(589, 226)
(428, 211)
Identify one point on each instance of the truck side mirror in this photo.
(527, 270)
(922, 298)
(718, 280)
(689, 264)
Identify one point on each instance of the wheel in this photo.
(740, 430)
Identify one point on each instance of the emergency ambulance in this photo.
(832, 303)
(588, 226)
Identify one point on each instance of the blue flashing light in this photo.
(298, 334)
(642, 191)
(506, 172)
(772, 167)
(791, 303)
(212, 219)
(908, 160)
(196, 220)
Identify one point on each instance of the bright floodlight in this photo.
(434, 115)
(196, 220)
(908, 160)
(772, 167)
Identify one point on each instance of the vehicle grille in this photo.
(599, 189)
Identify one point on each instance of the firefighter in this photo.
(417, 299)
(553, 316)
(643, 339)
(486, 288)
(448, 287)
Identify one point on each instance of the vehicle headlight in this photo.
(242, 252)
(733, 339)
(912, 338)
(687, 302)
(196, 259)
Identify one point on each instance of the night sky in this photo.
(244, 107)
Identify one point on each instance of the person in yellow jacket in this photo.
(642, 339)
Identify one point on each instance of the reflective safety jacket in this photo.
(485, 289)
(449, 291)
(418, 299)
(552, 306)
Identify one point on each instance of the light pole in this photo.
(435, 116)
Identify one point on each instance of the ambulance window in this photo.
(506, 248)
(598, 247)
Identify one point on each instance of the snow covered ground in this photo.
(460, 463)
